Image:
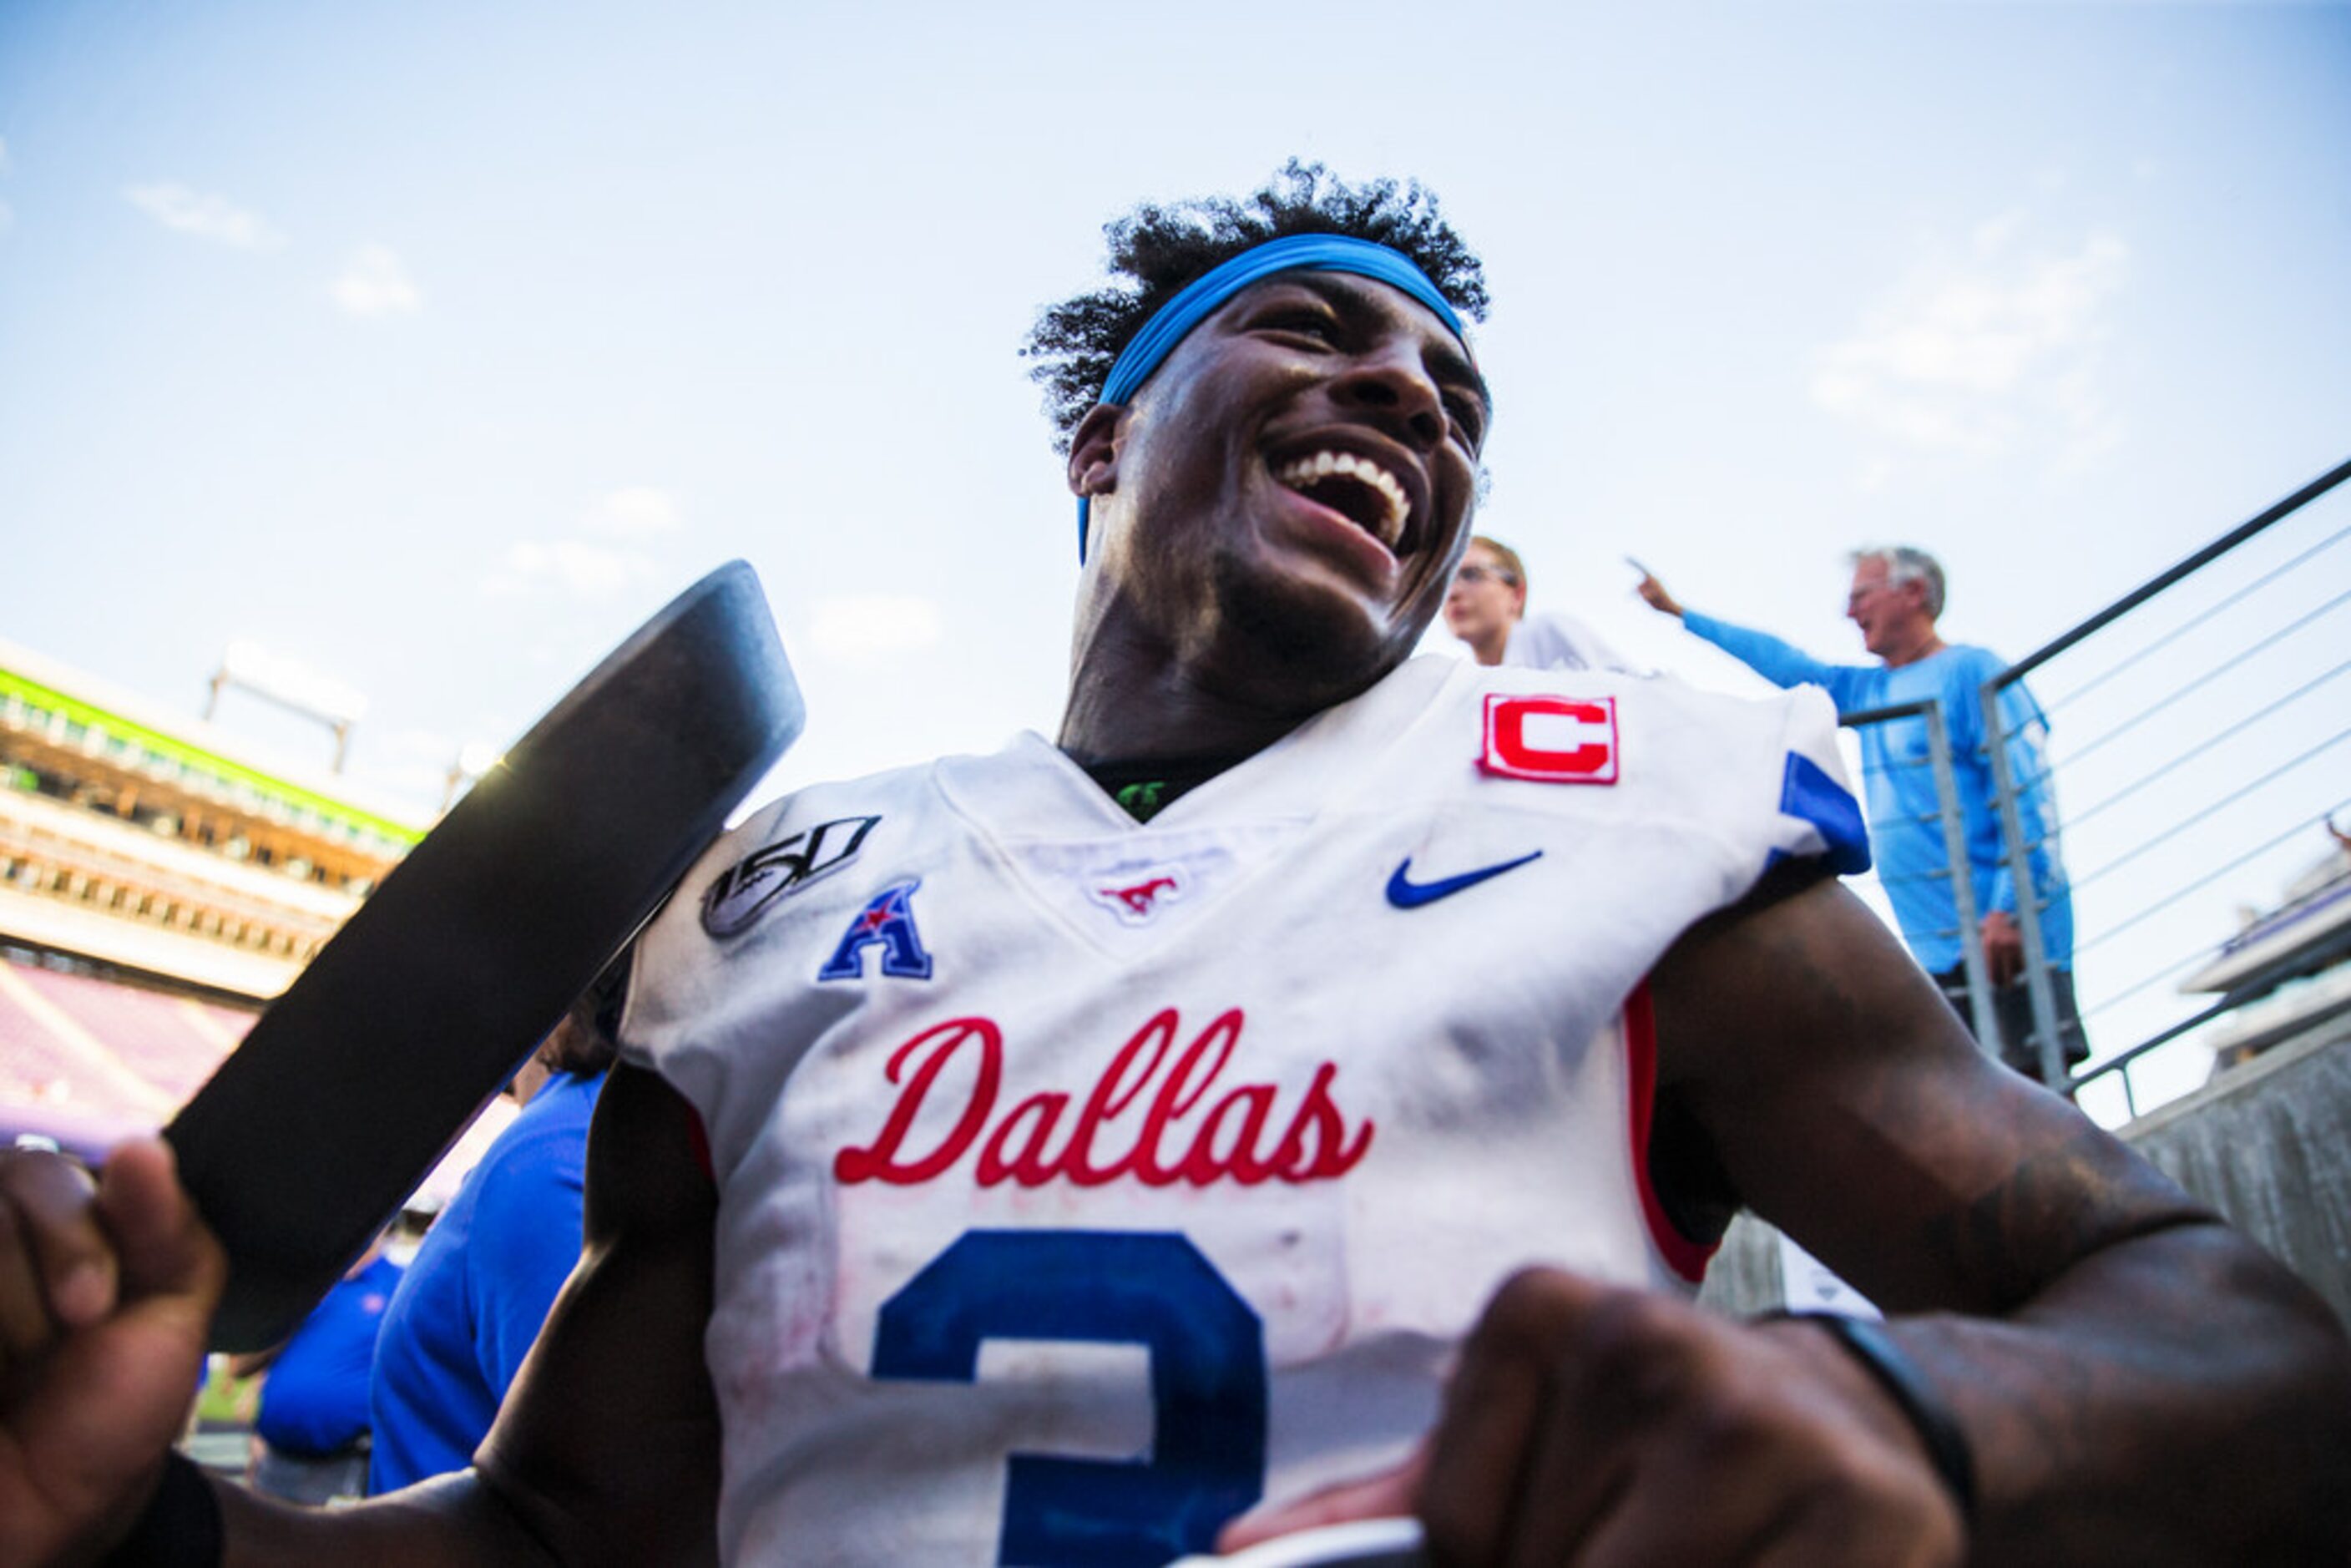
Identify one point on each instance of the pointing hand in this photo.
(1652, 591)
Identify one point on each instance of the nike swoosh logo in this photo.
(1407, 893)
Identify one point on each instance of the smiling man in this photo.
(1305, 1089)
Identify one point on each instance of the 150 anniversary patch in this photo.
(744, 891)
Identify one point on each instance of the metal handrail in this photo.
(2006, 793)
(2163, 580)
(1955, 855)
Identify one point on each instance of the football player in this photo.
(1301, 1091)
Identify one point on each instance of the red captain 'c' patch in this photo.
(1550, 740)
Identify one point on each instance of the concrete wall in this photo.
(2267, 1144)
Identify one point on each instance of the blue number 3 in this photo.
(1207, 1383)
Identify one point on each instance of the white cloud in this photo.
(601, 560)
(639, 511)
(2095, 427)
(291, 680)
(587, 568)
(1992, 235)
(859, 629)
(205, 216)
(581, 568)
(413, 766)
(420, 745)
(3, 155)
(1974, 355)
(375, 282)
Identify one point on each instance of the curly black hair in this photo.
(1155, 250)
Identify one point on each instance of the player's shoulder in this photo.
(1655, 696)
(811, 802)
(792, 846)
(825, 816)
(1654, 735)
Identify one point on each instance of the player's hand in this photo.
(1654, 594)
(1606, 1426)
(2003, 947)
(107, 1293)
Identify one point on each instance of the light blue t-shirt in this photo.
(1906, 830)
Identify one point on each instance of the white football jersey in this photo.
(1084, 1183)
(1556, 641)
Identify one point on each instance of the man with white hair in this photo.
(1895, 598)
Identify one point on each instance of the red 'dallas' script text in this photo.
(1233, 1140)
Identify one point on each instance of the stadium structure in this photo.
(2292, 961)
(159, 881)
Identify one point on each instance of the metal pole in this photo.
(1964, 888)
(2028, 895)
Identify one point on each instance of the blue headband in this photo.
(1199, 299)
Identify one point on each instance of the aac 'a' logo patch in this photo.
(744, 890)
(886, 922)
(1550, 739)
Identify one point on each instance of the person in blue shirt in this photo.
(1895, 600)
(312, 1432)
(471, 1305)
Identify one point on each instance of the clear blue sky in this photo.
(435, 344)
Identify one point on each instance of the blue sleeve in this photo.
(1851, 686)
(315, 1399)
(525, 1241)
(1812, 794)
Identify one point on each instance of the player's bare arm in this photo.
(1807, 1071)
(606, 1450)
(93, 1377)
(2143, 1385)
(639, 1481)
